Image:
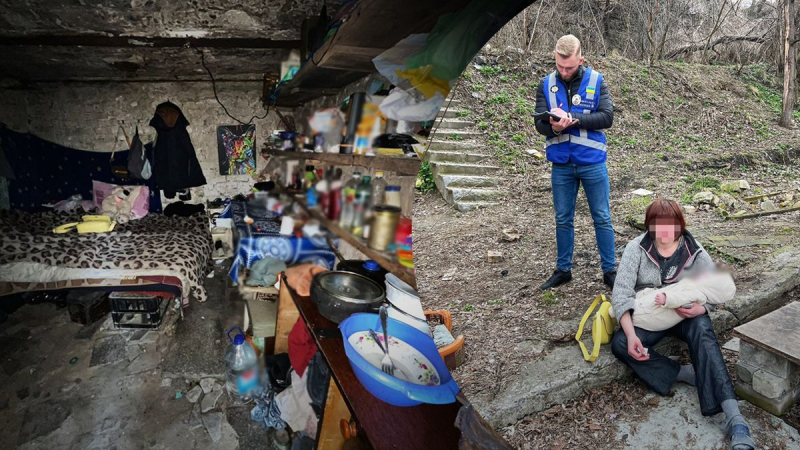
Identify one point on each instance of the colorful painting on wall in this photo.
(236, 145)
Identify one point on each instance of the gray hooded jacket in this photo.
(639, 270)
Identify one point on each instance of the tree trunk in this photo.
(789, 66)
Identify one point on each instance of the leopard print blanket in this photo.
(152, 245)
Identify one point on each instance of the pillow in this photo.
(141, 202)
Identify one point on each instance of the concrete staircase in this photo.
(464, 175)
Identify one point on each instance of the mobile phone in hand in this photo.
(546, 115)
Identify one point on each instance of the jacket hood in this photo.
(167, 116)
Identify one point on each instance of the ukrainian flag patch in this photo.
(590, 90)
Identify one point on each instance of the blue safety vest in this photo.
(577, 145)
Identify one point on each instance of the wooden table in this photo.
(385, 426)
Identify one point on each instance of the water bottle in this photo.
(362, 203)
(241, 366)
(348, 198)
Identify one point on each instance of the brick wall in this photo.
(86, 115)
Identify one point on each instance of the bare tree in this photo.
(789, 64)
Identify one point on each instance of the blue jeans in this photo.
(659, 372)
(566, 178)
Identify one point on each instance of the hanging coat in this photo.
(175, 164)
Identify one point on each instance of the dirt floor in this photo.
(68, 386)
(678, 129)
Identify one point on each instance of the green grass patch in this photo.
(500, 99)
(490, 71)
(483, 125)
(518, 139)
(463, 113)
(425, 181)
(695, 184)
(647, 116)
(550, 298)
(468, 308)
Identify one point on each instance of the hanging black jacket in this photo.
(175, 164)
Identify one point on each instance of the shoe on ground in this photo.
(558, 278)
(609, 278)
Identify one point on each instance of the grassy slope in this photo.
(678, 129)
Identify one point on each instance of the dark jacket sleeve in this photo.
(542, 125)
(598, 120)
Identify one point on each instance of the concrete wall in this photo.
(86, 116)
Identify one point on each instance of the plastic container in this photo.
(391, 196)
(241, 367)
(389, 389)
(404, 250)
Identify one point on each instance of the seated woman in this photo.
(664, 255)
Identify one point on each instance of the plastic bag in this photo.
(394, 59)
(400, 105)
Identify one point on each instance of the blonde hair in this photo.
(568, 45)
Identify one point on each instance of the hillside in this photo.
(678, 129)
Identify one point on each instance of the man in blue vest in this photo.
(576, 147)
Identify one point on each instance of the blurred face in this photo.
(567, 66)
(665, 231)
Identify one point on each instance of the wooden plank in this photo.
(399, 165)
(330, 435)
(349, 57)
(385, 426)
(776, 332)
(765, 213)
(287, 317)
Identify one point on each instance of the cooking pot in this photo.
(338, 294)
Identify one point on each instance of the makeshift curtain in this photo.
(46, 172)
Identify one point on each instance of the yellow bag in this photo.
(602, 327)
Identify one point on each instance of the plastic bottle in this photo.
(391, 196)
(348, 199)
(241, 367)
(378, 188)
(361, 205)
(334, 210)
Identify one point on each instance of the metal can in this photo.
(384, 225)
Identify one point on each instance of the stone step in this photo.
(455, 156)
(451, 113)
(453, 124)
(473, 194)
(457, 135)
(443, 145)
(463, 169)
(472, 205)
(453, 103)
(467, 181)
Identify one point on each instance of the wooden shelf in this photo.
(399, 165)
(384, 259)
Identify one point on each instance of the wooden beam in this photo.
(399, 165)
(143, 41)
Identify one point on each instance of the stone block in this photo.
(771, 405)
(745, 372)
(769, 385)
(764, 360)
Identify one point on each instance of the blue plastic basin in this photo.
(391, 390)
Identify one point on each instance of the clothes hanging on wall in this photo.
(46, 172)
(175, 164)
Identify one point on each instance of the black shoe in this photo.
(558, 278)
(609, 278)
